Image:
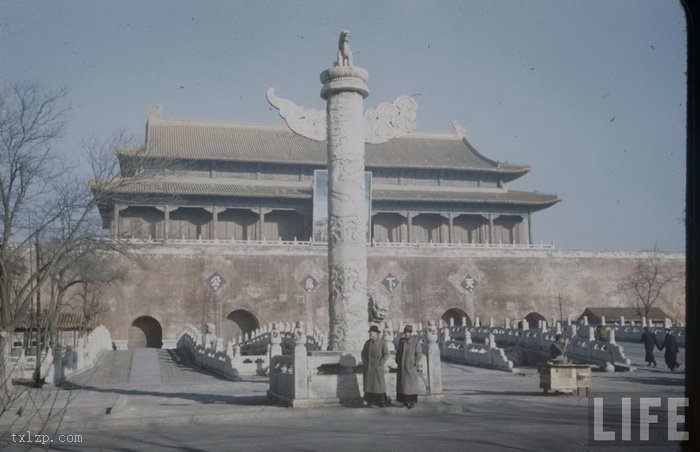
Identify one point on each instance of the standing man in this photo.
(649, 341)
(408, 360)
(671, 346)
(557, 351)
(374, 356)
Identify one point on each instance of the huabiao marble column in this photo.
(344, 89)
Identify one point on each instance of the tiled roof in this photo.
(209, 140)
(450, 194)
(66, 321)
(303, 189)
(213, 187)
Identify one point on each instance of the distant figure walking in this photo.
(671, 346)
(649, 341)
(602, 334)
(557, 351)
(374, 356)
(408, 359)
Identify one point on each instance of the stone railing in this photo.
(185, 241)
(24, 366)
(582, 350)
(209, 352)
(260, 340)
(283, 380)
(464, 351)
(250, 354)
(583, 347)
(68, 361)
(634, 334)
(519, 246)
(631, 331)
(455, 345)
(62, 362)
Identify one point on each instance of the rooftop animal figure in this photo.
(344, 52)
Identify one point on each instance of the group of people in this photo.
(557, 350)
(375, 353)
(669, 345)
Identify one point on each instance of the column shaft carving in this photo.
(344, 89)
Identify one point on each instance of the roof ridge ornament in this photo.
(154, 111)
(458, 130)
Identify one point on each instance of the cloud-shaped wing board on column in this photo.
(390, 120)
(306, 122)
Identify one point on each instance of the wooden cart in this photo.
(565, 377)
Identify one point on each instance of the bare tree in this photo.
(31, 120)
(645, 283)
(48, 211)
(79, 285)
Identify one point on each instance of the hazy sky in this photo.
(591, 94)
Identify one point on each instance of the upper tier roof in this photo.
(210, 140)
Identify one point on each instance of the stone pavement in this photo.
(155, 399)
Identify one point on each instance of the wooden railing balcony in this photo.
(376, 244)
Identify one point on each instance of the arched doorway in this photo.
(145, 332)
(238, 323)
(456, 314)
(533, 319)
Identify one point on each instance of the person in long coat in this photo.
(408, 359)
(671, 346)
(557, 351)
(649, 341)
(374, 356)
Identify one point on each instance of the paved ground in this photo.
(155, 400)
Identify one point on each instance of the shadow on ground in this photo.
(194, 396)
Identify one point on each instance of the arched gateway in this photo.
(534, 318)
(145, 332)
(238, 323)
(458, 315)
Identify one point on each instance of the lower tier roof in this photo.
(248, 188)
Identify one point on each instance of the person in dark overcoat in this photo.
(374, 356)
(408, 360)
(671, 346)
(649, 341)
(557, 351)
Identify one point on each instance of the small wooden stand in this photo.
(565, 377)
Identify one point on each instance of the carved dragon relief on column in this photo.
(346, 281)
(388, 120)
(346, 230)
